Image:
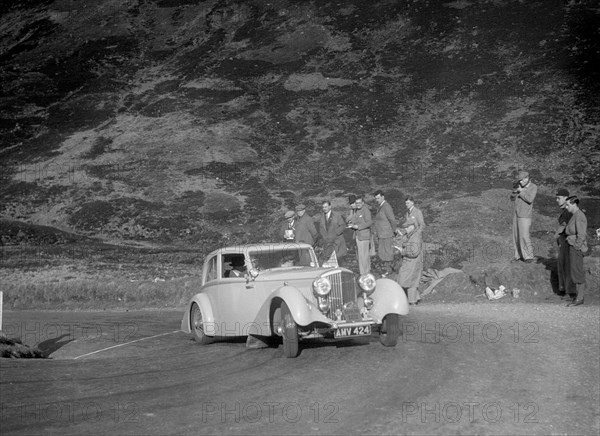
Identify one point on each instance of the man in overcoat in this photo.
(565, 284)
(409, 276)
(305, 227)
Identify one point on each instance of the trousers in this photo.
(362, 253)
(521, 239)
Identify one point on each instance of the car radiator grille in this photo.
(343, 290)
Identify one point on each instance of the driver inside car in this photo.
(287, 261)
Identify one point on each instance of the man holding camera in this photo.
(523, 194)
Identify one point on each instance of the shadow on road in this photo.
(49, 346)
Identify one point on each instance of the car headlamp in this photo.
(322, 286)
(367, 283)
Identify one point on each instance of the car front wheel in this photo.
(197, 325)
(290, 332)
(389, 331)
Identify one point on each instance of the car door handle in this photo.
(250, 286)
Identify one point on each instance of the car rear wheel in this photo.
(389, 331)
(197, 326)
(290, 332)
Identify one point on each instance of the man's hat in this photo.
(289, 214)
(522, 175)
(562, 192)
(300, 207)
(352, 199)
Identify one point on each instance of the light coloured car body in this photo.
(243, 288)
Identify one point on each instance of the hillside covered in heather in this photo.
(188, 124)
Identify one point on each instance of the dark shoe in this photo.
(515, 260)
(576, 303)
(529, 260)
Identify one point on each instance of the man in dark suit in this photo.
(331, 231)
(385, 224)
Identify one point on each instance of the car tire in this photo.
(290, 332)
(197, 327)
(389, 330)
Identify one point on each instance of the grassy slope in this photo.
(188, 125)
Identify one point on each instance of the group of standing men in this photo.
(382, 232)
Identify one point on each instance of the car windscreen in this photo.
(281, 258)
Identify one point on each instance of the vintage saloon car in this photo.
(279, 289)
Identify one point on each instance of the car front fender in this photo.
(208, 318)
(389, 297)
(305, 312)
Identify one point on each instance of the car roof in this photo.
(242, 248)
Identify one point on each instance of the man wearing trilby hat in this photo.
(523, 195)
(565, 284)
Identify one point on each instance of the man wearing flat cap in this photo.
(305, 227)
(565, 284)
(288, 228)
(523, 195)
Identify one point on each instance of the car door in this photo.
(239, 299)
(210, 287)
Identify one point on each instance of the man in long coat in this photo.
(565, 284)
(331, 231)
(305, 227)
(410, 272)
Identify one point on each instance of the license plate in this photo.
(345, 332)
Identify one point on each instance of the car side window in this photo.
(211, 269)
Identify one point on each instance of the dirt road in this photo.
(488, 368)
